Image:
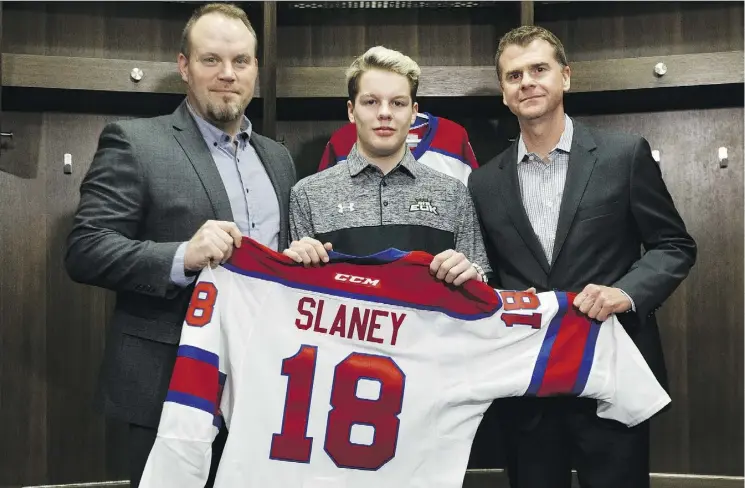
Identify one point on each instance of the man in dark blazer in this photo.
(568, 207)
(165, 197)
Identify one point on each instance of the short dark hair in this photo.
(524, 35)
(228, 10)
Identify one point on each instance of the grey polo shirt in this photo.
(361, 211)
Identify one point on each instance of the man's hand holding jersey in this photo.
(308, 251)
(453, 267)
(600, 302)
(211, 245)
(449, 266)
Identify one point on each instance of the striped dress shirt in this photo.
(542, 186)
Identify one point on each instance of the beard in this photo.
(224, 112)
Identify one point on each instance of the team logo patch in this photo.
(349, 207)
(423, 205)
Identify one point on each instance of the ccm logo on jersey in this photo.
(357, 280)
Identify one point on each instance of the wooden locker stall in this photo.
(317, 41)
(65, 73)
(701, 328)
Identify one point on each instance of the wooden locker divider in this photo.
(527, 12)
(269, 71)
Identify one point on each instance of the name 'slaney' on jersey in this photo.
(368, 372)
(364, 324)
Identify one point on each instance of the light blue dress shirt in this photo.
(253, 200)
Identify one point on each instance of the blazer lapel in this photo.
(192, 142)
(265, 159)
(509, 187)
(581, 163)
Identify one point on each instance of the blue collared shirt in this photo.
(253, 200)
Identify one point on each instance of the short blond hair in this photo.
(524, 35)
(225, 9)
(380, 57)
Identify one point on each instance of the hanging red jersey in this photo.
(436, 142)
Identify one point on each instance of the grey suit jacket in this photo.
(615, 201)
(151, 185)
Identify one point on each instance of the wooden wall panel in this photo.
(702, 323)
(150, 31)
(469, 36)
(432, 36)
(715, 352)
(77, 318)
(611, 30)
(81, 34)
(147, 31)
(23, 344)
(306, 140)
(53, 329)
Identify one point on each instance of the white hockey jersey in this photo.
(368, 372)
(436, 142)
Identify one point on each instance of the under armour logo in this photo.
(342, 207)
(423, 206)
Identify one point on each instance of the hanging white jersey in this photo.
(436, 142)
(368, 372)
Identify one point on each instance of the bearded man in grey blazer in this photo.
(165, 197)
